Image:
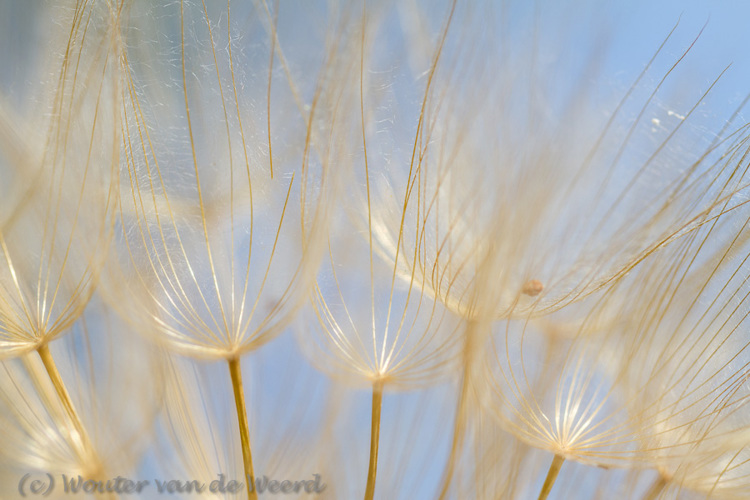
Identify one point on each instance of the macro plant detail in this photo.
(219, 240)
(443, 250)
(55, 242)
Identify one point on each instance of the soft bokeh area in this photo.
(374, 249)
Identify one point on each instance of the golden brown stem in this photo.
(239, 400)
(458, 436)
(372, 472)
(461, 409)
(90, 457)
(62, 393)
(549, 482)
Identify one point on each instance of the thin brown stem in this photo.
(239, 400)
(372, 472)
(549, 482)
(89, 456)
(62, 393)
(458, 436)
(461, 410)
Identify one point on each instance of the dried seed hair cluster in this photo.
(378, 249)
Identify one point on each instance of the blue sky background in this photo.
(632, 31)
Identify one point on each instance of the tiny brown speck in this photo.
(532, 288)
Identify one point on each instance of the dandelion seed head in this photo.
(459, 202)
